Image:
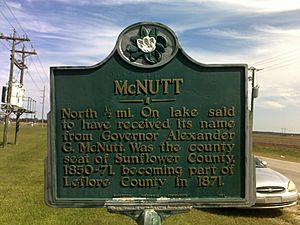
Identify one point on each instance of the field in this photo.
(22, 190)
(278, 146)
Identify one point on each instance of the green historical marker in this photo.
(149, 127)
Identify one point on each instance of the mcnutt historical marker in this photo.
(149, 127)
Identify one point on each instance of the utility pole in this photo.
(22, 66)
(254, 94)
(15, 40)
(43, 105)
(254, 90)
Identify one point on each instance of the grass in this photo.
(277, 146)
(22, 195)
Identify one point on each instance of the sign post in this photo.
(149, 131)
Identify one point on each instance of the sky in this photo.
(264, 34)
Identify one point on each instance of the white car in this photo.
(273, 190)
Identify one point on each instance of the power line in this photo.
(15, 17)
(37, 70)
(278, 57)
(33, 81)
(4, 45)
(1, 11)
(272, 63)
(39, 60)
(289, 61)
(280, 61)
(42, 66)
(23, 66)
(9, 108)
(26, 35)
(281, 65)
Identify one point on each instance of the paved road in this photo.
(289, 169)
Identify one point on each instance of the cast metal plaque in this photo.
(149, 126)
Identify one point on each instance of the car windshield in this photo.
(259, 164)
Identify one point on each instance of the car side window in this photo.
(259, 164)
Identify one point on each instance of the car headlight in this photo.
(292, 186)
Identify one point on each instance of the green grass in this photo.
(288, 154)
(277, 146)
(22, 195)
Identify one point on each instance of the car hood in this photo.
(269, 177)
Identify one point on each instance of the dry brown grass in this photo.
(278, 140)
(275, 145)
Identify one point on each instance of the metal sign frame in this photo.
(152, 50)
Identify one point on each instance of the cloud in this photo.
(228, 33)
(259, 5)
(269, 104)
(254, 5)
(13, 5)
(84, 32)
